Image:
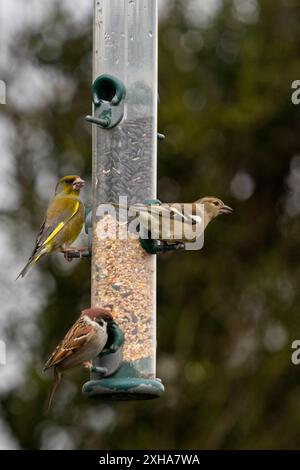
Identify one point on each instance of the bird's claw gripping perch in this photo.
(88, 365)
(166, 247)
(154, 247)
(180, 246)
(70, 253)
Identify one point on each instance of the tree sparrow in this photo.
(83, 342)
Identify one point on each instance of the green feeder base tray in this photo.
(123, 389)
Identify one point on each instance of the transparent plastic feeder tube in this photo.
(124, 164)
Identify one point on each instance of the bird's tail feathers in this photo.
(32, 260)
(56, 382)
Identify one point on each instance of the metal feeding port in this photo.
(108, 99)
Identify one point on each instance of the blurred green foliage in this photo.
(227, 315)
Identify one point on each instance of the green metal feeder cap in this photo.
(115, 380)
(123, 389)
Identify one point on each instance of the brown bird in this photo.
(83, 342)
(63, 221)
(178, 222)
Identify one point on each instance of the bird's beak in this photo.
(226, 209)
(78, 183)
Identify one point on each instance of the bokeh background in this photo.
(227, 315)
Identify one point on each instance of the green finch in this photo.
(177, 223)
(83, 342)
(63, 221)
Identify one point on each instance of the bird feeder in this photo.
(124, 164)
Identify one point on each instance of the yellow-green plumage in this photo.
(63, 221)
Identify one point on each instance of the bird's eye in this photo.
(69, 181)
(216, 203)
(101, 322)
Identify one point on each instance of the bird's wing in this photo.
(59, 212)
(162, 210)
(180, 212)
(190, 214)
(79, 335)
(185, 213)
